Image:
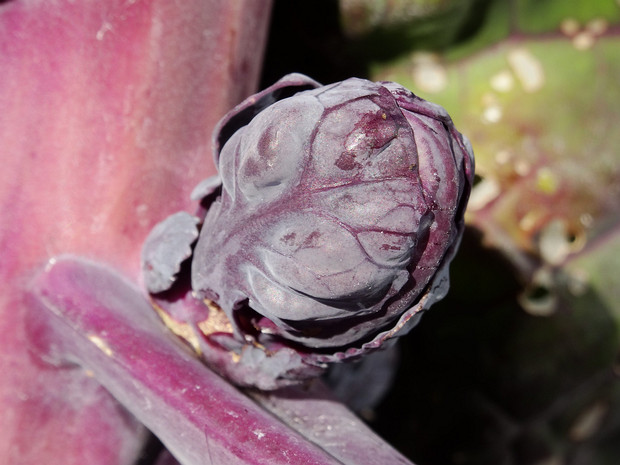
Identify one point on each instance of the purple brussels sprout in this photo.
(340, 209)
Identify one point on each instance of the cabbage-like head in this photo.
(340, 209)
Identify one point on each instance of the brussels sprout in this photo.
(340, 209)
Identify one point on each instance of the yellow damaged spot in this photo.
(597, 26)
(527, 68)
(502, 81)
(583, 41)
(569, 27)
(217, 322)
(584, 38)
(183, 330)
(546, 181)
(492, 114)
(101, 345)
(492, 111)
(428, 73)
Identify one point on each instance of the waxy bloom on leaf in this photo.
(339, 211)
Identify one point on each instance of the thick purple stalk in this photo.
(312, 411)
(86, 314)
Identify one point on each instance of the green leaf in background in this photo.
(534, 16)
(384, 28)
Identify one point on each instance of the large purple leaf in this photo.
(107, 114)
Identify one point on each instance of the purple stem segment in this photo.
(99, 321)
(313, 412)
(86, 314)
